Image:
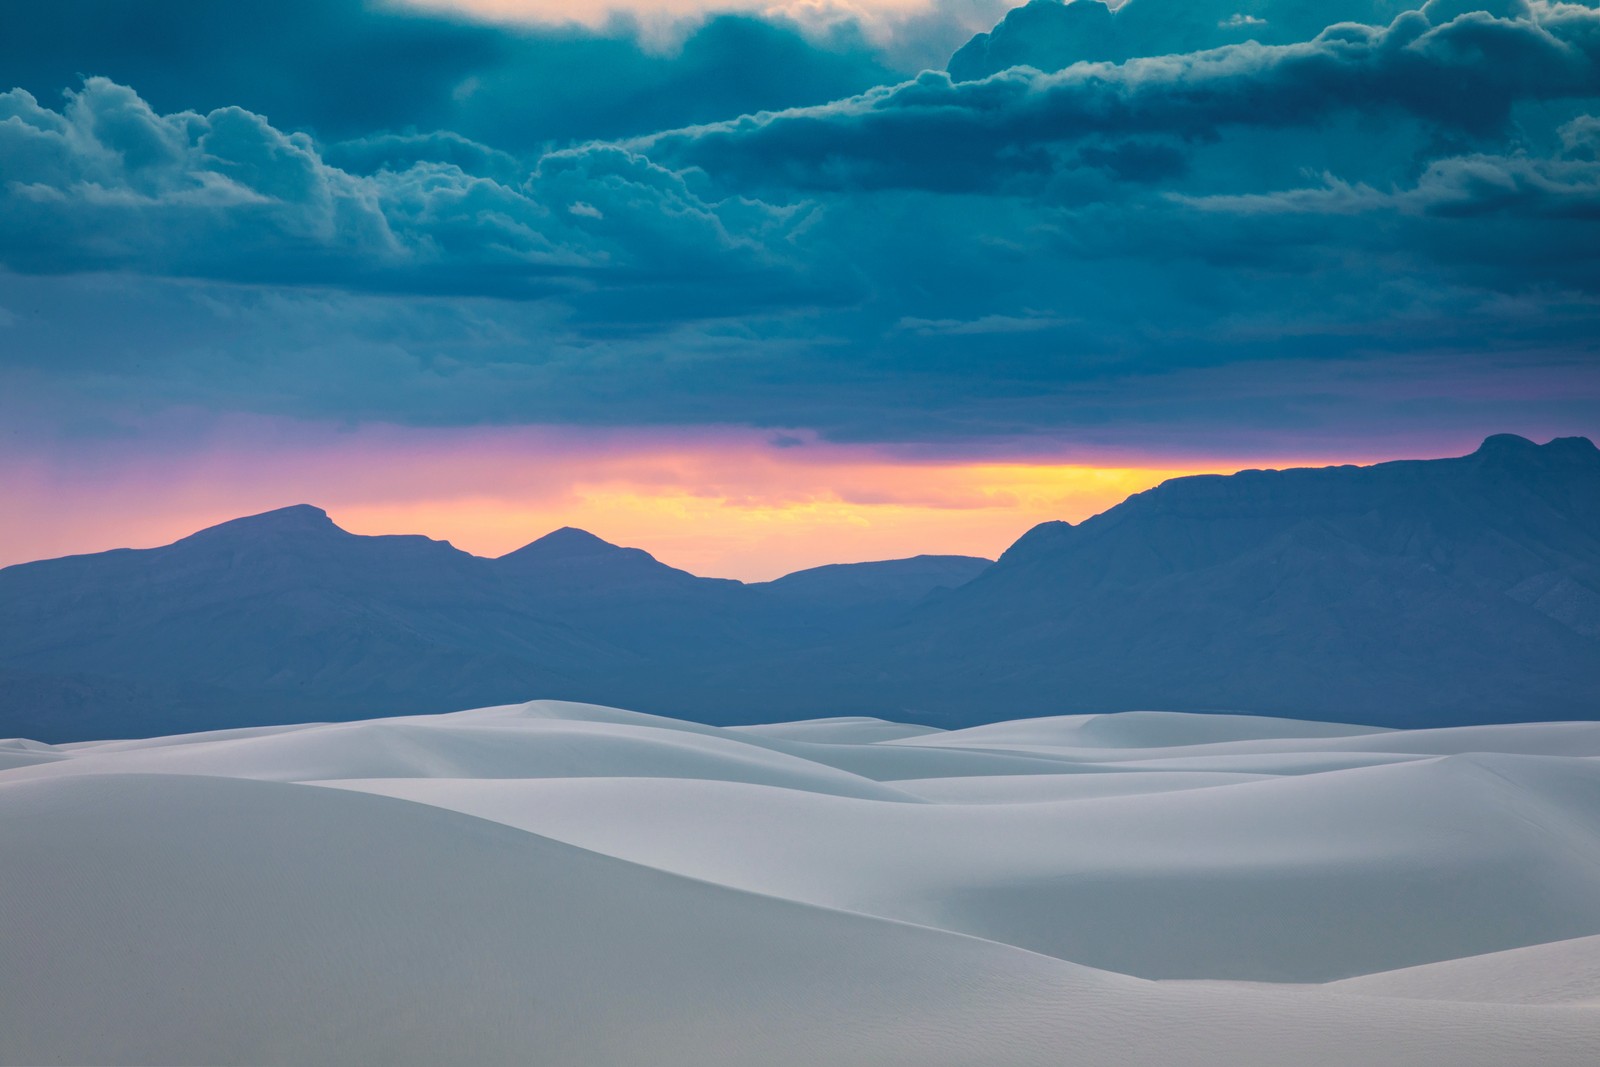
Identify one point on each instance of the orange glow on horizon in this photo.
(719, 502)
(965, 509)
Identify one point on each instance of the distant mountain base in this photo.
(1415, 593)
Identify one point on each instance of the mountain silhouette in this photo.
(1409, 593)
(284, 616)
(895, 581)
(1420, 592)
(576, 560)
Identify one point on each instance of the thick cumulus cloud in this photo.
(1209, 214)
(354, 68)
(1463, 75)
(107, 183)
(1460, 136)
(1051, 35)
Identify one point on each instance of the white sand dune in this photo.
(1411, 864)
(567, 884)
(1562, 972)
(539, 748)
(845, 730)
(1140, 730)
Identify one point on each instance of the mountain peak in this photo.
(1560, 450)
(1506, 444)
(1574, 446)
(295, 519)
(1041, 539)
(577, 560)
(569, 542)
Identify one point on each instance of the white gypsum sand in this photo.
(567, 884)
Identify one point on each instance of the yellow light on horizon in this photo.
(717, 501)
(884, 512)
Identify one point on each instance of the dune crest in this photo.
(585, 885)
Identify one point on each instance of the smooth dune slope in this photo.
(572, 884)
(1409, 863)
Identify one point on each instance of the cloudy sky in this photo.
(759, 286)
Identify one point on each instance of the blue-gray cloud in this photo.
(1463, 75)
(1283, 219)
(352, 68)
(107, 183)
(1051, 35)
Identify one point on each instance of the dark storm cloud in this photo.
(1034, 253)
(1464, 74)
(1049, 35)
(402, 151)
(106, 183)
(351, 68)
(1154, 148)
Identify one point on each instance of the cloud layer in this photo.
(351, 68)
(1168, 219)
(106, 183)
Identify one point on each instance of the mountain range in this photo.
(1412, 593)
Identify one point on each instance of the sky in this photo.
(761, 286)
